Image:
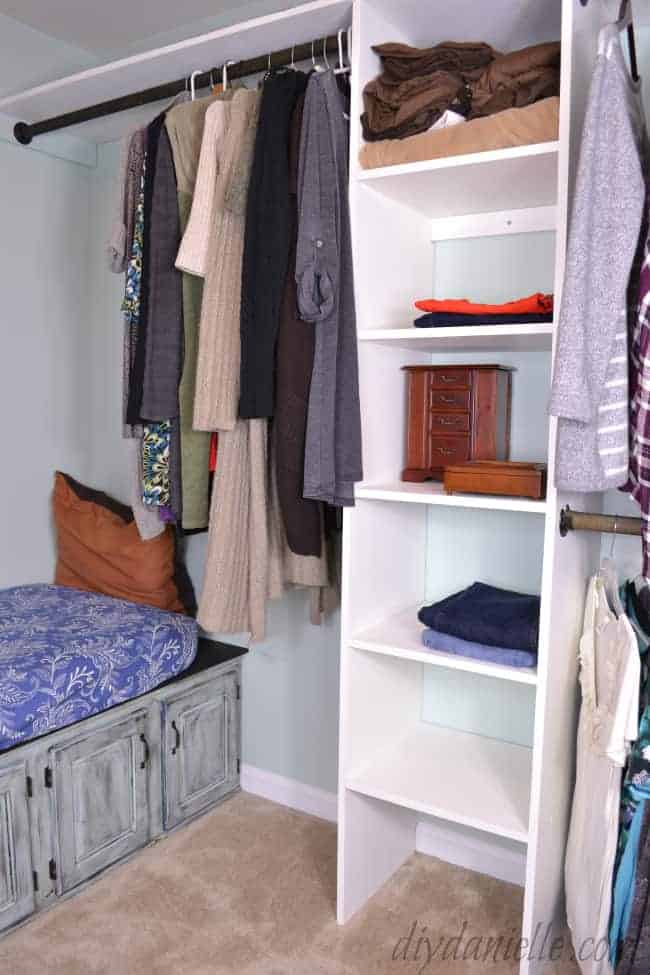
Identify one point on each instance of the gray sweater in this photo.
(325, 285)
(590, 385)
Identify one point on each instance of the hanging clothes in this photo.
(120, 242)
(185, 125)
(216, 400)
(324, 278)
(302, 517)
(266, 244)
(638, 484)
(609, 681)
(590, 381)
(635, 957)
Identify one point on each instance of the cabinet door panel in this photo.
(16, 879)
(201, 748)
(100, 798)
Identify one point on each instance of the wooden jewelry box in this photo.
(523, 480)
(456, 414)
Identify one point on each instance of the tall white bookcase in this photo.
(424, 735)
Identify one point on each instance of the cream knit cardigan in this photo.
(248, 559)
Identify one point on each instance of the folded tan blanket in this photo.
(514, 127)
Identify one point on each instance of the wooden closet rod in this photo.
(583, 521)
(25, 132)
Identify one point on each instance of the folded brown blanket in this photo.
(418, 85)
(513, 127)
(401, 62)
(517, 79)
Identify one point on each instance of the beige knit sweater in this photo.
(216, 400)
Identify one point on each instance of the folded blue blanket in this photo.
(440, 319)
(478, 651)
(487, 615)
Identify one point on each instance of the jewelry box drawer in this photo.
(453, 399)
(441, 423)
(450, 378)
(448, 450)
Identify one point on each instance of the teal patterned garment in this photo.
(155, 463)
(156, 436)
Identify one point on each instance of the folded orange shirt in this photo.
(534, 304)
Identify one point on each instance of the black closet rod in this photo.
(25, 132)
(584, 521)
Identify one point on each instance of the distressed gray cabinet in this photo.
(100, 799)
(85, 797)
(16, 877)
(200, 748)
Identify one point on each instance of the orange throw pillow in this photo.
(100, 550)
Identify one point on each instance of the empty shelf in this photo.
(480, 182)
(462, 778)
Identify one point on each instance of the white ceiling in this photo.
(104, 25)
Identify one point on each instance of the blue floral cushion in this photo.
(66, 654)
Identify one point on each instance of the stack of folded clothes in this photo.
(485, 623)
(418, 86)
(458, 311)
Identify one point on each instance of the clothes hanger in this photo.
(317, 67)
(626, 22)
(292, 66)
(343, 68)
(325, 54)
(224, 74)
(193, 78)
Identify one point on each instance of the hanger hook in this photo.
(224, 74)
(193, 78)
(339, 38)
(325, 53)
(293, 58)
(313, 58)
(269, 67)
(611, 549)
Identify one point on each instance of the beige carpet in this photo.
(250, 889)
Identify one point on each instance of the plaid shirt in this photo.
(638, 484)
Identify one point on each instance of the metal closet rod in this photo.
(25, 132)
(584, 521)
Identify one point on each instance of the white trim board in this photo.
(482, 854)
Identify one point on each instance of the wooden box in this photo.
(455, 414)
(522, 480)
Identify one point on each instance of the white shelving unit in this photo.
(405, 544)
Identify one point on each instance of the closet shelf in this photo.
(455, 776)
(433, 493)
(476, 338)
(400, 635)
(480, 182)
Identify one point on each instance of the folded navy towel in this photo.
(478, 651)
(485, 614)
(439, 319)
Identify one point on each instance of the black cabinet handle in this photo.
(147, 753)
(177, 745)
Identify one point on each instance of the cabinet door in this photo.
(201, 748)
(100, 799)
(16, 878)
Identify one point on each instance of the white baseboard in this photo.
(289, 792)
(474, 852)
